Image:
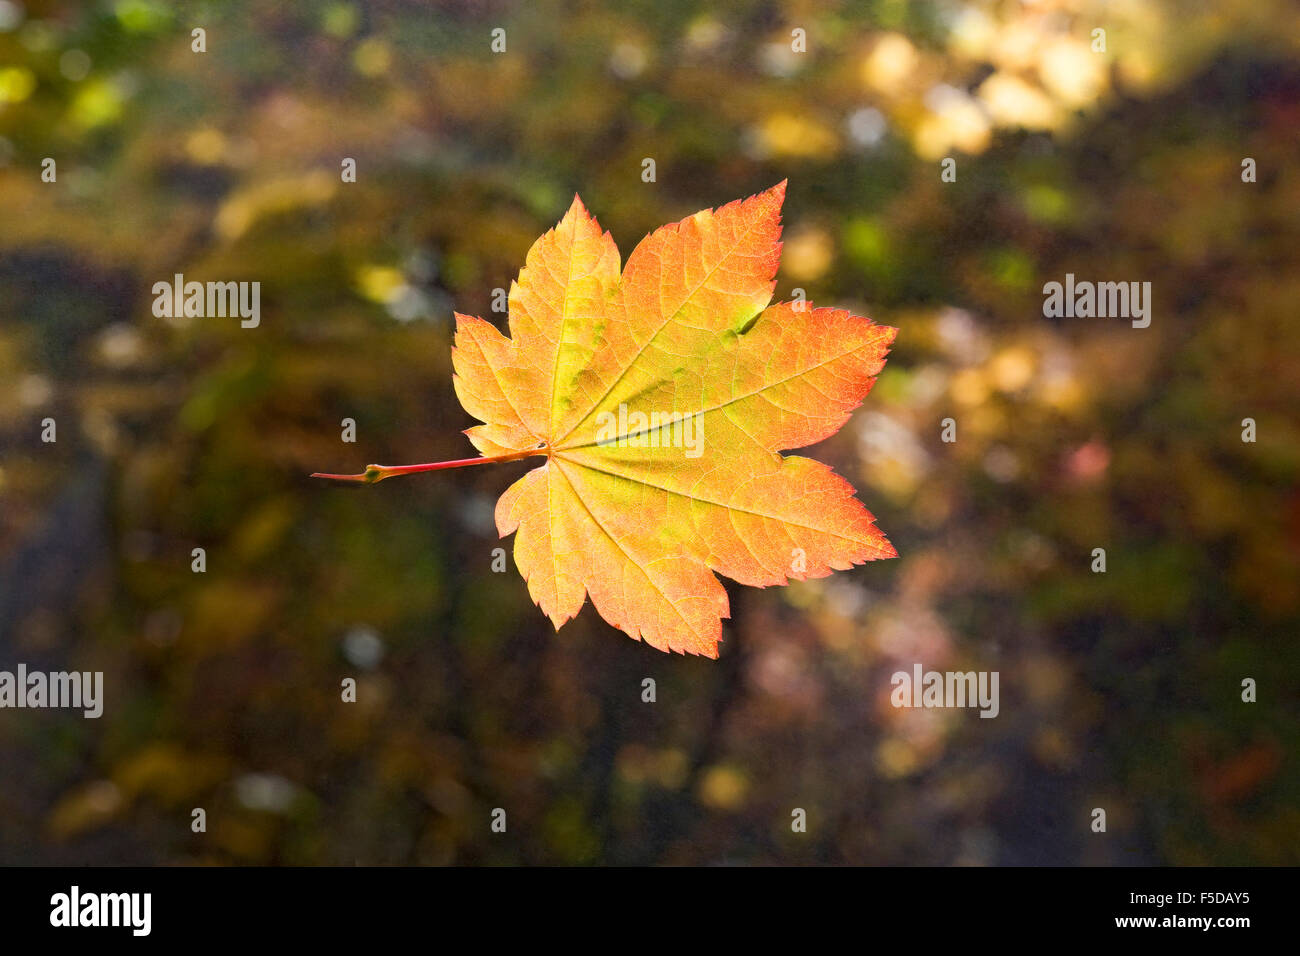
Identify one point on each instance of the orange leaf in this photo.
(661, 397)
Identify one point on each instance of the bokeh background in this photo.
(1119, 690)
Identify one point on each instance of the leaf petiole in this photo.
(374, 473)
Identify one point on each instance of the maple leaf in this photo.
(661, 396)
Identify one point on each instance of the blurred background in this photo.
(1119, 690)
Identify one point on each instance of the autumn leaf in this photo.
(661, 395)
